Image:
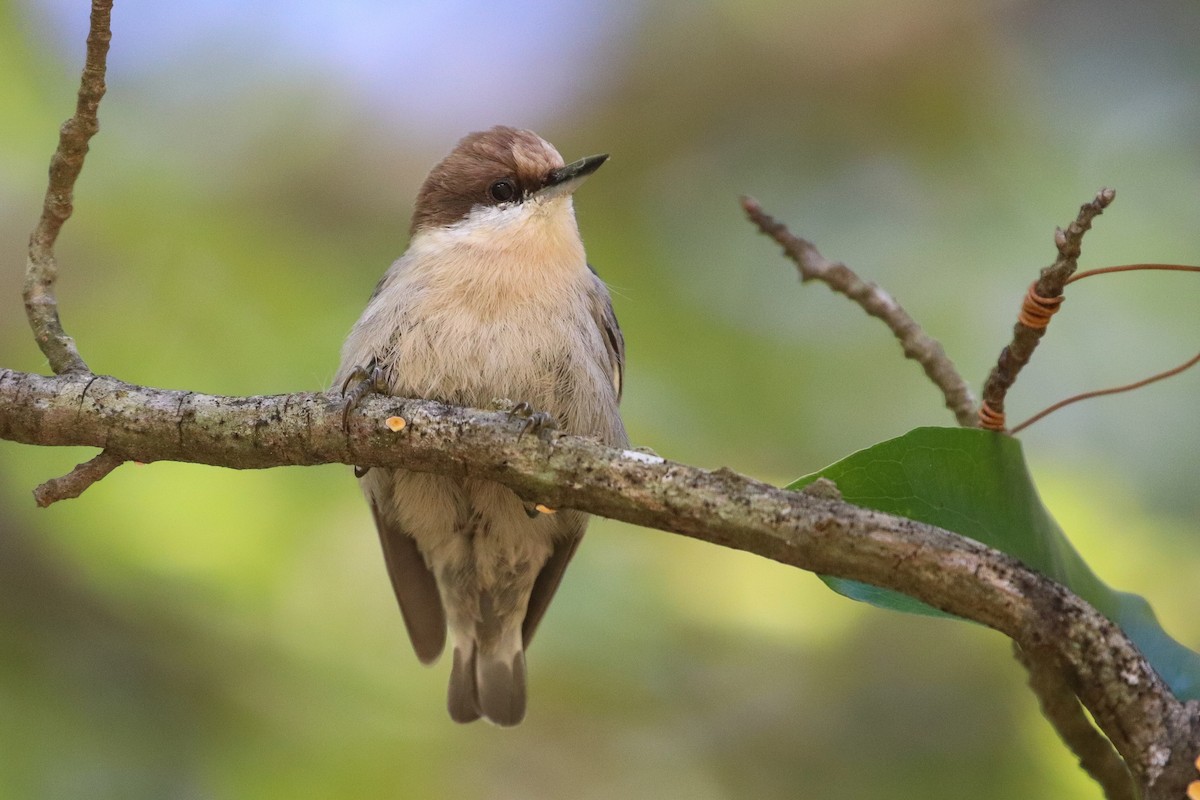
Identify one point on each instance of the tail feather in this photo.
(488, 685)
(463, 699)
(501, 685)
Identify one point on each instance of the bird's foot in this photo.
(536, 421)
(361, 382)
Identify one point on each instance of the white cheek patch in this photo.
(536, 232)
(484, 224)
(490, 220)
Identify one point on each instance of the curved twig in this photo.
(918, 345)
(1191, 362)
(1088, 273)
(1060, 706)
(41, 270)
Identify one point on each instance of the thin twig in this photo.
(1049, 285)
(1062, 709)
(1116, 389)
(1191, 362)
(75, 482)
(917, 344)
(1078, 276)
(41, 270)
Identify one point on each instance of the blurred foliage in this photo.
(190, 632)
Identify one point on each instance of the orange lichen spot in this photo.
(395, 423)
(545, 509)
(1193, 790)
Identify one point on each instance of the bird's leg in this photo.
(358, 384)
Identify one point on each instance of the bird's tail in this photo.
(488, 680)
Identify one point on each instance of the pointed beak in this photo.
(565, 180)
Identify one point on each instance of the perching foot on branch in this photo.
(358, 384)
(536, 421)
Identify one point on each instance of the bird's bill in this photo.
(565, 180)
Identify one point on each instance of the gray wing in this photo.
(415, 588)
(610, 331)
(551, 575)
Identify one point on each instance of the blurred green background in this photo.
(187, 632)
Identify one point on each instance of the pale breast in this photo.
(542, 353)
(467, 321)
(455, 356)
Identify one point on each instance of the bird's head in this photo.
(500, 178)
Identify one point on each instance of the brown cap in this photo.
(485, 168)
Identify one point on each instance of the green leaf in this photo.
(975, 483)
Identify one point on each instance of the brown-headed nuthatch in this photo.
(494, 298)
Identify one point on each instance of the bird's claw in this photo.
(361, 382)
(536, 421)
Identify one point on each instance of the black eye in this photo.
(502, 191)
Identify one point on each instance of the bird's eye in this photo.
(502, 191)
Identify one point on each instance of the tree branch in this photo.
(77, 481)
(1061, 707)
(1048, 286)
(41, 269)
(1154, 732)
(918, 345)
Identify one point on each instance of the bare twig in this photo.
(1060, 706)
(1049, 285)
(41, 271)
(1155, 733)
(1088, 273)
(1036, 314)
(75, 482)
(1191, 362)
(917, 344)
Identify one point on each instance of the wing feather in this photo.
(548, 580)
(416, 589)
(614, 341)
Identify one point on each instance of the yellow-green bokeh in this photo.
(181, 631)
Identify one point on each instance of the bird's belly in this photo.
(473, 362)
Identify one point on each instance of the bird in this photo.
(493, 298)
